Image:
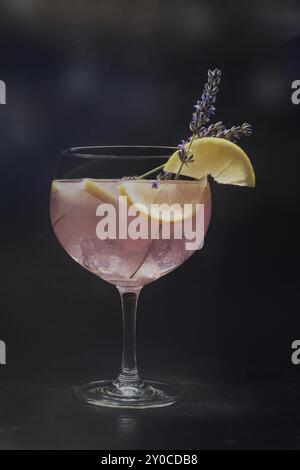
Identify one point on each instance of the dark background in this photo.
(115, 72)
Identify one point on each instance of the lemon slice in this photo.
(99, 191)
(156, 203)
(226, 162)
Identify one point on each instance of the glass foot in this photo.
(109, 394)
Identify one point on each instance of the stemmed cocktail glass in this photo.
(87, 189)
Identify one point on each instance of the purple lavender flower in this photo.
(155, 184)
(165, 175)
(182, 152)
(211, 111)
(205, 107)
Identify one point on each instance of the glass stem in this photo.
(129, 376)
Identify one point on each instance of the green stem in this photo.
(179, 171)
(151, 172)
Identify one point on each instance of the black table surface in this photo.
(258, 414)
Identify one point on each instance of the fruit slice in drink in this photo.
(225, 161)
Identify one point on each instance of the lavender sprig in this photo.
(219, 130)
(212, 131)
(204, 110)
(235, 132)
(205, 107)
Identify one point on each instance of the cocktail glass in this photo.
(88, 178)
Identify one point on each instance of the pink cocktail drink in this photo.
(121, 261)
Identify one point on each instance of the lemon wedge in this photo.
(166, 203)
(225, 161)
(99, 191)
